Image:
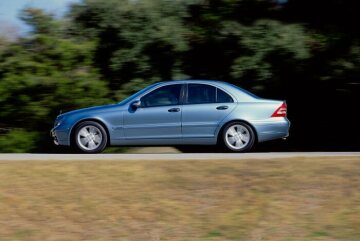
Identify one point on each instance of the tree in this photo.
(43, 74)
(136, 40)
(105, 50)
(187, 39)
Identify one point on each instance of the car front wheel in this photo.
(90, 137)
(238, 137)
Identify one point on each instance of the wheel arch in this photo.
(232, 121)
(73, 129)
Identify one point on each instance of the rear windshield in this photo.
(245, 91)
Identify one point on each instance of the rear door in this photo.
(204, 108)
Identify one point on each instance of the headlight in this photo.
(58, 121)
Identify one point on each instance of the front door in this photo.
(158, 119)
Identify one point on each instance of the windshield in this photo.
(133, 96)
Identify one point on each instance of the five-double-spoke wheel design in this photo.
(90, 137)
(238, 136)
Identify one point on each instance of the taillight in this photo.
(281, 111)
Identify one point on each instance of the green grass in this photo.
(214, 233)
(320, 233)
(309, 199)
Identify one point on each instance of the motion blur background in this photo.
(95, 52)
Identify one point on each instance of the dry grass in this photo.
(281, 200)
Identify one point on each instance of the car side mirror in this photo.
(136, 104)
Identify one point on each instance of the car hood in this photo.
(89, 110)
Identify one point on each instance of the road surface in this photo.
(175, 156)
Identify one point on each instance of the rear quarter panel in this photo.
(258, 115)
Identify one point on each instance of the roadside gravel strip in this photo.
(173, 157)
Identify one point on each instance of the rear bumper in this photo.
(272, 128)
(60, 136)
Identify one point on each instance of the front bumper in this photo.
(53, 135)
(60, 136)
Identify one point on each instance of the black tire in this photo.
(99, 128)
(251, 137)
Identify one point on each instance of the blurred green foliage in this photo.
(102, 51)
(18, 140)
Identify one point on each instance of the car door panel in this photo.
(157, 118)
(153, 122)
(202, 120)
(202, 113)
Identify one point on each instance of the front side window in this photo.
(201, 94)
(163, 96)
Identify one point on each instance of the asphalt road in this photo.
(175, 156)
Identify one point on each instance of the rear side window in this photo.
(222, 97)
(201, 94)
(166, 95)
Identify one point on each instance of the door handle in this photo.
(222, 107)
(174, 110)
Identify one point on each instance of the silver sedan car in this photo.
(186, 112)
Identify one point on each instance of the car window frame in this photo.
(181, 97)
(186, 94)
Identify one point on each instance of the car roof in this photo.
(240, 93)
(196, 81)
(192, 81)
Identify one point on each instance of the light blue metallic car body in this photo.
(198, 124)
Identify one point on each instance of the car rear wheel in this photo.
(238, 137)
(90, 137)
